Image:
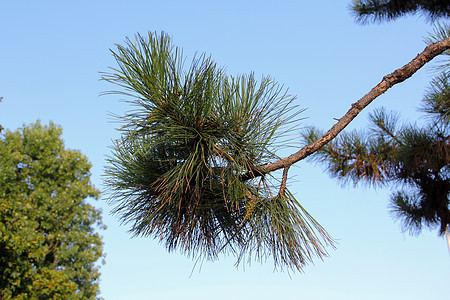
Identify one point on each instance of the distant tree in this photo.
(48, 244)
(367, 11)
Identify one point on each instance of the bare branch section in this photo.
(388, 81)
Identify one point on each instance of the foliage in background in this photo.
(48, 244)
(176, 173)
(367, 11)
(411, 156)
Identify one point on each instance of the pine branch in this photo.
(376, 11)
(385, 124)
(175, 172)
(388, 81)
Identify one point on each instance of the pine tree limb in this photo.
(387, 82)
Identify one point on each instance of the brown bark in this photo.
(387, 82)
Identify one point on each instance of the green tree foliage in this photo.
(48, 243)
(367, 11)
(176, 173)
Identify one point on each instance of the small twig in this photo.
(284, 180)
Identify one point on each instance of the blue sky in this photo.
(50, 57)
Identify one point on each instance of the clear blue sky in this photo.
(51, 54)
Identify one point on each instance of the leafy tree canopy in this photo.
(48, 243)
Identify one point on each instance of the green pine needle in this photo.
(175, 174)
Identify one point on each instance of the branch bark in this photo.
(387, 82)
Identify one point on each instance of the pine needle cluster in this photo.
(414, 157)
(176, 172)
(367, 11)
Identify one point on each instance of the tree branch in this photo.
(284, 181)
(388, 81)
